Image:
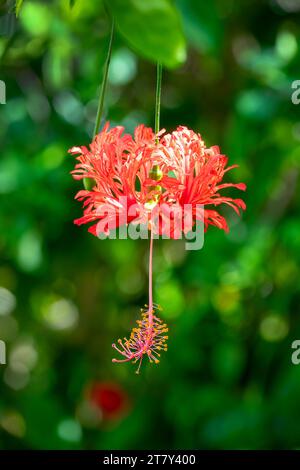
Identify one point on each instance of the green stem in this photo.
(158, 99)
(104, 82)
(154, 171)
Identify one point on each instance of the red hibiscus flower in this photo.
(157, 176)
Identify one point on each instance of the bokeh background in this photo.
(227, 380)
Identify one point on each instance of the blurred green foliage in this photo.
(227, 380)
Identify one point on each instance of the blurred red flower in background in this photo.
(109, 398)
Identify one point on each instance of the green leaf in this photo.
(18, 7)
(152, 28)
(202, 24)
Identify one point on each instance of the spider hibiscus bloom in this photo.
(161, 175)
(120, 167)
(198, 174)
